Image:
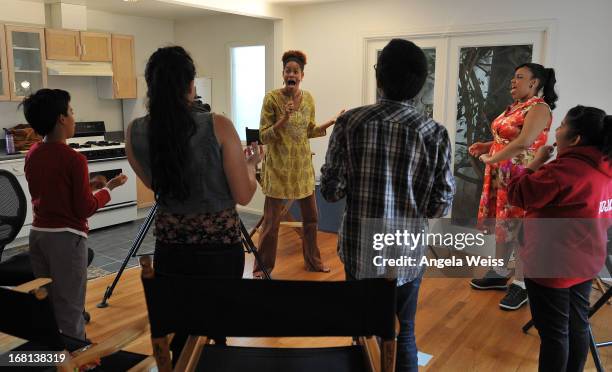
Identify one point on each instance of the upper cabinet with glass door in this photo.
(5, 94)
(26, 60)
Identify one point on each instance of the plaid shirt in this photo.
(393, 164)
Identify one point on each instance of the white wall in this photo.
(332, 37)
(208, 39)
(149, 34)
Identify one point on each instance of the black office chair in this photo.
(13, 209)
(28, 315)
(271, 308)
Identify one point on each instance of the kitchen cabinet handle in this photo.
(79, 51)
(84, 49)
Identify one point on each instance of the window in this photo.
(248, 86)
(482, 94)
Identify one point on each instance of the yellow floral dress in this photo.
(287, 171)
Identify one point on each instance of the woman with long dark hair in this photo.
(517, 134)
(194, 163)
(565, 232)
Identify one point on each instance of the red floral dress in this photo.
(494, 199)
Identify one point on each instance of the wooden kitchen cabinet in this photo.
(5, 94)
(26, 56)
(144, 195)
(63, 45)
(124, 72)
(67, 45)
(96, 47)
(123, 83)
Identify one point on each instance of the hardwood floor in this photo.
(463, 329)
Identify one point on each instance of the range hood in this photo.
(72, 68)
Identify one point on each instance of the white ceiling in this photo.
(161, 9)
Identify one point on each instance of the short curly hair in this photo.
(294, 55)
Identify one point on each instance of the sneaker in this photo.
(491, 280)
(514, 299)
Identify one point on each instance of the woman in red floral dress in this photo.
(517, 134)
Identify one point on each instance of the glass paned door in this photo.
(480, 70)
(430, 99)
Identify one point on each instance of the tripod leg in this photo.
(251, 248)
(253, 230)
(602, 300)
(594, 352)
(142, 232)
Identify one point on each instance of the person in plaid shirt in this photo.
(393, 165)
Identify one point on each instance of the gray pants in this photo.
(62, 256)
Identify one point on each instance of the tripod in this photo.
(593, 345)
(247, 243)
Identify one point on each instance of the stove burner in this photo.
(90, 144)
(102, 143)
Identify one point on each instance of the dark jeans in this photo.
(407, 296)
(206, 261)
(561, 316)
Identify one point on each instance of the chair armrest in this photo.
(107, 347)
(34, 284)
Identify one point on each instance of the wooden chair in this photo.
(271, 308)
(28, 324)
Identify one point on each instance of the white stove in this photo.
(89, 139)
(107, 158)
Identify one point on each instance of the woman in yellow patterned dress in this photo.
(287, 123)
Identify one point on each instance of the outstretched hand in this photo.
(97, 182)
(116, 181)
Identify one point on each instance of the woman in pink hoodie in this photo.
(568, 203)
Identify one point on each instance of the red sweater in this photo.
(569, 204)
(58, 180)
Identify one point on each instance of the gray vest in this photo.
(209, 190)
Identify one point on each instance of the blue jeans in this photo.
(407, 296)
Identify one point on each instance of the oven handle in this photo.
(117, 206)
(106, 159)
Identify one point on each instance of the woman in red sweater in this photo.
(565, 232)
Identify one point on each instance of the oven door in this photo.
(124, 195)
